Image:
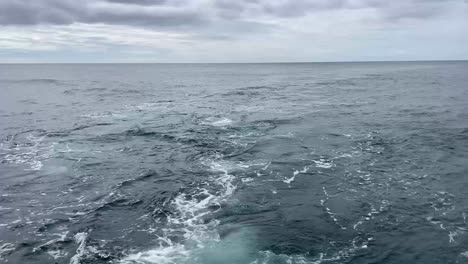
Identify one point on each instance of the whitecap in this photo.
(80, 239)
(222, 122)
(322, 163)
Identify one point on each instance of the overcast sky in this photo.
(232, 30)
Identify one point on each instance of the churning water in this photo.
(234, 163)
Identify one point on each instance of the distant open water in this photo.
(234, 163)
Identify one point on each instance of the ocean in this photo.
(234, 163)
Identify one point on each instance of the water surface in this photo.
(234, 163)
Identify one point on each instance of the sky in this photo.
(36, 31)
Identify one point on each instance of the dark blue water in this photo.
(241, 163)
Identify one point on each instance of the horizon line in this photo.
(272, 62)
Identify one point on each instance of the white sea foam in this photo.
(322, 163)
(291, 179)
(453, 234)
(61, 237)
(5, 249)
(161, 255)
(372, 213)
(31, 152)
(220, 122)
(295, 173)
(240, 135)
(80, 239)
(189, 217)
(344, 155)
(328, 210)
(246, 180)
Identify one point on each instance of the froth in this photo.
(218, 122)
(80, 239)
(191, 218)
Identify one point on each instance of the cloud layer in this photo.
(166, 13)
(216, 25)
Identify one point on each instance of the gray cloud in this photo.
(399, 9)
(416, 9)
(60, 12)
(232, 30)
(175, 13)
(140, 2)
(23, 12)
